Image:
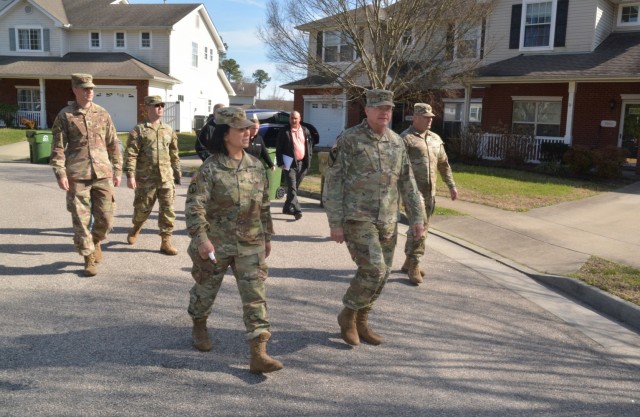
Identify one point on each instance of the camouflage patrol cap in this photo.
(232, 116)
(422, 109)
(82, 80)
(378, 97)
(153, 100)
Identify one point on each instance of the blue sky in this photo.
(236, 22)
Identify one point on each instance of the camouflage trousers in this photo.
(250, 272)
(414, 249)
(87, 198)
(145, 198)
(371, 246)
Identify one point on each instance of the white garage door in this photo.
(121, 105)
(328, 118)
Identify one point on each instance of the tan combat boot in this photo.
(132, 236)
(260, 360)
(97, 254)
(415, 275)
(405, 267)
(90, 268)
(166, 247)
(347, 322)
(364, 331)
(200, 336)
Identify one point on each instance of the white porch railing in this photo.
(496, 145)
(18, 116)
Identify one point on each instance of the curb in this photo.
(601, 301)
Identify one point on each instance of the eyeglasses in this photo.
(160, 105)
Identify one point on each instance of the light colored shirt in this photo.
(297, 136)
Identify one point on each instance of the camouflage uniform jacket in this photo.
(152, 154)
(427, 156)
(85, 144)
(363, 181)
(228, 204)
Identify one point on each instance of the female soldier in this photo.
(229, 221)
(256, 146)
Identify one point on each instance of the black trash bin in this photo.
(39, 146)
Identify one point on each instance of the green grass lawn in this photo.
(186, 142)
(10, 135)
(514, 190)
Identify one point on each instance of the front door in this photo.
(630, 128)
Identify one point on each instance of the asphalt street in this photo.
(477, 339)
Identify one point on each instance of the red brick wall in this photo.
(497, 105)
(592, 106)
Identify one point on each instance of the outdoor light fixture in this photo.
(612, 103)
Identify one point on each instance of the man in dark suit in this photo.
(204, 136)
(293, 155)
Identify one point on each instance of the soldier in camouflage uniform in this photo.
(367, 173)
(427, 156)
(152, 166)
(87, 162)
(229, 221)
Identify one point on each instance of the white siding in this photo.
(579, 37)
(604, 21)
(201, 84)
(157, 56)
(16, 16)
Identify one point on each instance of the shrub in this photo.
(552, 151)
(554, 168)
(517, 149)
(7, 113)
(609, 161)
(466, 148)
(580, 160)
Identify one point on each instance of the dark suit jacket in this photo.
(284, 146)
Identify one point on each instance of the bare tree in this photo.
(408, 46)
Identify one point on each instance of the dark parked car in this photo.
(271, 121)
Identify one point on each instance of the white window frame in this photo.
(115, 40)
(339, 50)
(471, 35)
(206, 53)
(91, 33)
(537, 100)
(475, 105)
(36, 105)
(142, 46)
(29, 28)
(194, 54)
(552, 25)
(622, 6)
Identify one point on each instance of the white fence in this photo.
(15, 119)
(497, 146)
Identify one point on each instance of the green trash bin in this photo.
(39, 146)
(274, 177)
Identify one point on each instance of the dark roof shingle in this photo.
(618, 56)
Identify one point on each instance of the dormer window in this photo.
(628, 15)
